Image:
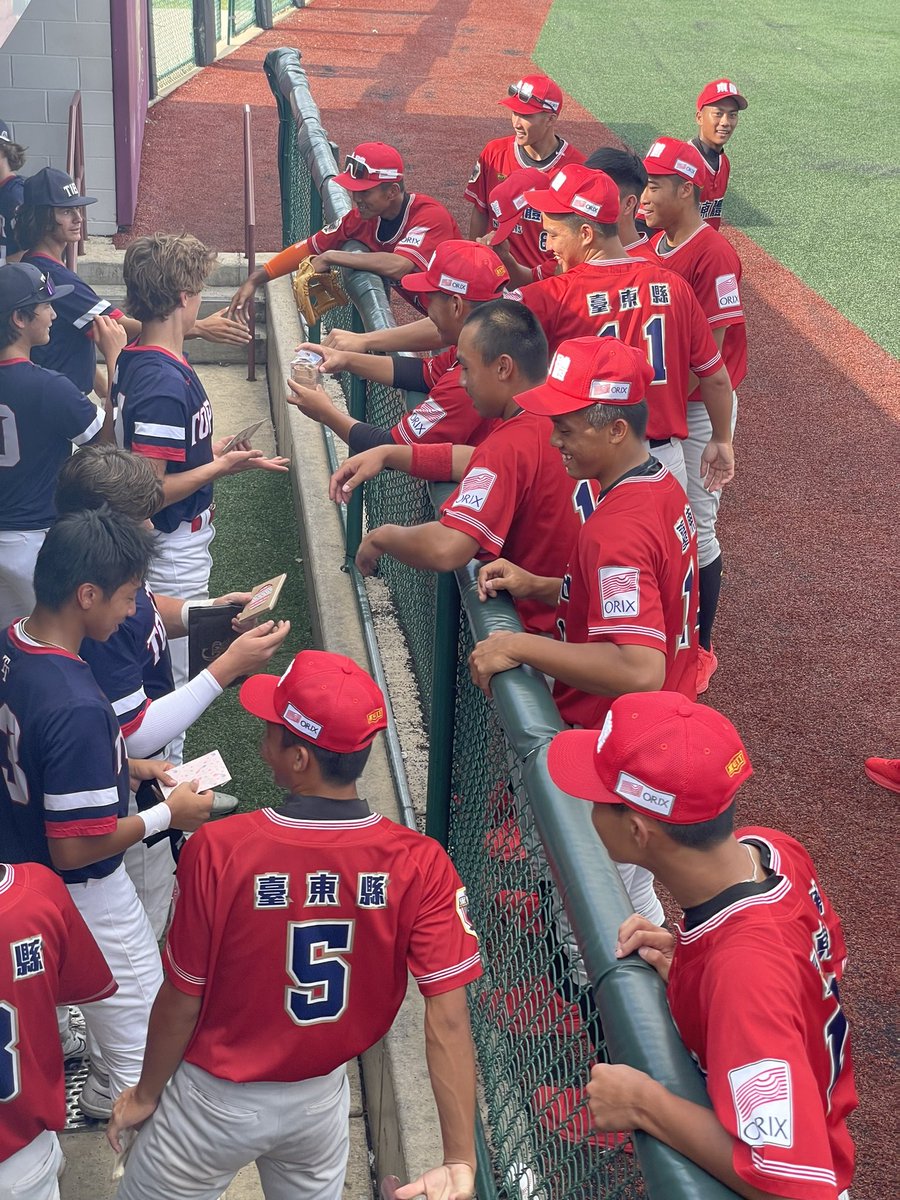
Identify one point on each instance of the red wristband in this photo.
(432, 461)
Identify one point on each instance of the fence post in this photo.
(204, 32)
(356, 405)
(264, 18)
(443, 708)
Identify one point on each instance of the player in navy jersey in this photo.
(133, 666)
(64, 772)
(327, 906)
(165, 415)
(753, 971)
(42, 415)
(12, 159)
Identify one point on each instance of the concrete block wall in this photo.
(57, 48)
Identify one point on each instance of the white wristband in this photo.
(156, 819)
(189, 604)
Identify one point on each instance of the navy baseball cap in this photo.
(54, 188)
(23, 286)
(5, 132)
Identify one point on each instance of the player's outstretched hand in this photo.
(652, 942)
(491, 656)
(141, 769)
(239, 304)
(503, 576)
(343, 339)
(368, 554)
(320, 263)
(236, 461)
(356, 470)
(251, 651)
(333, 360)
(190, 808)
(717, 465)
(454, 1181)
(616, 1096)
(222, 327)
(128, 1112)
(232, 598)
(314, 403)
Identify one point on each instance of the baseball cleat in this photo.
(223, 804)
(95, 1100)
(74, 1044)
(885, 772)
(706, 666)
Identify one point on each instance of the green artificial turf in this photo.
(816, 155)
(256, 538)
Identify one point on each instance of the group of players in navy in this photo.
(580, 353)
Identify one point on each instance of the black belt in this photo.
(655, 443)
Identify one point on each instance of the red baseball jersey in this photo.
(518, 500)
(632, 580)
(426, 223)
(318, 921)
(502, 156)
(528, 243)
(642, 249)
(645, 306)
(753, 989)
(712, 267)
(447, 414)
(712, 195)
(47, 957)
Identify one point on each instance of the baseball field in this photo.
(806, 632)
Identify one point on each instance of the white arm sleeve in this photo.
(169, 716)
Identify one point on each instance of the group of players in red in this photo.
(585, 408)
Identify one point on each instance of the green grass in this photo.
(256, 538)
(816, 156)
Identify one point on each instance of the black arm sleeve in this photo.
(363, 436)
(409, 374)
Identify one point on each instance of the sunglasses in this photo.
(525, 92)
(358, 168)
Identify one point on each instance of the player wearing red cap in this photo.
(401, 229)
(47, 957)
(718, 106)
(709, 263)
(753, 971)
(460, 276)
(514, 496)
(320, 907)
(517, 233)
(626, 170)
(535, 103)
(603, 292)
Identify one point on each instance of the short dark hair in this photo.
(9, 331)
(14, 154)
(91, 546)
(32, 223)
(634, 416)
(574, 222)
(624, 168)
(700, 836)
(98, 475)
(509, 327)
(335, 768)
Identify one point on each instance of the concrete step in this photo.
(101, 266)
(215, 298)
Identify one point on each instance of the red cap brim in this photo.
(545, 401)
(349, 184)
(257, 695)
(418, 281)
(570, 761)
(545, 200)
(504, 229)
(524, 108)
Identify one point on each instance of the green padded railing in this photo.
(543, 894)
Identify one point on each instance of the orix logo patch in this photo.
(727, 292)
(635, 791)
(761, 1093)
(620, 591)
(475, 489)
(462, 911)
(415, 237)
(302, 723)
(425, 417)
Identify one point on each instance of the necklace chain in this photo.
(40, 641)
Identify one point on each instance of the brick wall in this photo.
(57, 48)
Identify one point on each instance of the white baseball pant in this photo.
(705, 505)
(32, 1173)
(117, 1027)
(18, 554)
(206, 1129)
(152, 871)
(671, 455)
(181, 568)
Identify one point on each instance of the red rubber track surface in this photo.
(807, 628)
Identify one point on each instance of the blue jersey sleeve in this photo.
(69, 411)
(156, 415)
(84, 769)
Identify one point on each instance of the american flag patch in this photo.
(474, 489)
(727, 292)
(616, 580)
(766, 1087)
(761, 1094)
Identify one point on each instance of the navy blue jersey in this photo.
(71, 348)
(133, 666)
(41, 415)
(12, 190)
(63, 767)
(164, 412)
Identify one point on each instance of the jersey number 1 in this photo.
(320, 973)
(654, 334)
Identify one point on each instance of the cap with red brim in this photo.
(586, 371)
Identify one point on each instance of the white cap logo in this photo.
(560, 366)
(558, 180)
(607, 389)
(656, 149)
(604, 732)
(520, 202)
(301, 722)
(588, 207)
(448, 284)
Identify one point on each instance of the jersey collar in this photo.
(648, 469)
(322, 808)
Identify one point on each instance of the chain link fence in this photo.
(519, 844)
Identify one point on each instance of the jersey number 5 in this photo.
(320, 973)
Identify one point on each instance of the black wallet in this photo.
(209, 635)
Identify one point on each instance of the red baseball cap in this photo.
(579, 190)
(659, 753)
(720, 89)
(533, 94)
(460, 268)
(590, 370)
(370, 164)
(671, 156)
(507, 200)
(323, 698)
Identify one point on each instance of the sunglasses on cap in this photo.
(525, 93)
(358, 168)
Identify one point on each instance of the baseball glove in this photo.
(316, 294)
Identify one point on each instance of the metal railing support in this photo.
(443, 709)
(204, 32)
(75, 168)
(250, 237)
